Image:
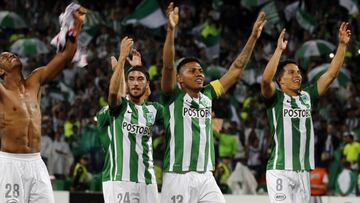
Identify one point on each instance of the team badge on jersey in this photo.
(205, 103)
(306, 100)
(150, 119)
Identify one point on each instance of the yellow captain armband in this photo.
(218, 88)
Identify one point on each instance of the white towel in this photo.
(67, 28)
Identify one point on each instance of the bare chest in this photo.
(20, 105)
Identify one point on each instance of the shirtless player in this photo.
(24, 177)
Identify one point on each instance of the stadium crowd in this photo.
(70, 141)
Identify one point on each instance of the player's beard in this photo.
(142, 92)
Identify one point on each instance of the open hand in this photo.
(125, 46)
(173, 15)
(344, 33)
(136, 58)
(259, 24)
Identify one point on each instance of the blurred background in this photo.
(214, 31)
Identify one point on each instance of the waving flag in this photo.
(305, 20)
(147, 13)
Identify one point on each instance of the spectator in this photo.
(318, 181)
(46, 142)
(81, 176)
(254, 154)
(351, 151)
(61, 157)
(242, 180)
(221, 175)
(228, 144)
(332, 141)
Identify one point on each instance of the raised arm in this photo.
(58, 63)
(326, 79)
(168, 79)
(117, 78)
(122, 91)
(237, 67)
(267, 84)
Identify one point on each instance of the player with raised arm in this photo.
(189, 156)
(289, 114)
(24, 177)
(128, 172)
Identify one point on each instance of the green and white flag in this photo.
(29, 47)
(212, 46)
(315, 47)
(290, 10)
(305, 20)
(216, 4)
(9, 19)
(342, 79)
(251, 4)
(209, 39)
(148, 13)
(350, 5)
(272, 16)
(93, 18)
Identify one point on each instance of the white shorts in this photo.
(129, 192)
(288, 186)
(24, 179)
(190, 187)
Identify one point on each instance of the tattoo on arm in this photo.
(244, 56)
(239, 62)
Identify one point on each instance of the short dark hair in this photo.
(346, 164)
(85, 157)
(186, 60)
(138, 68)
(350, 135)
(280, 68)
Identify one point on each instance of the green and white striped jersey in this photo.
(128, 142)
(188, 129)
(292, 130)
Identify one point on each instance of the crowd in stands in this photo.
(70, 141)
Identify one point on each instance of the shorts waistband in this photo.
(21, 157)
(189, 172)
